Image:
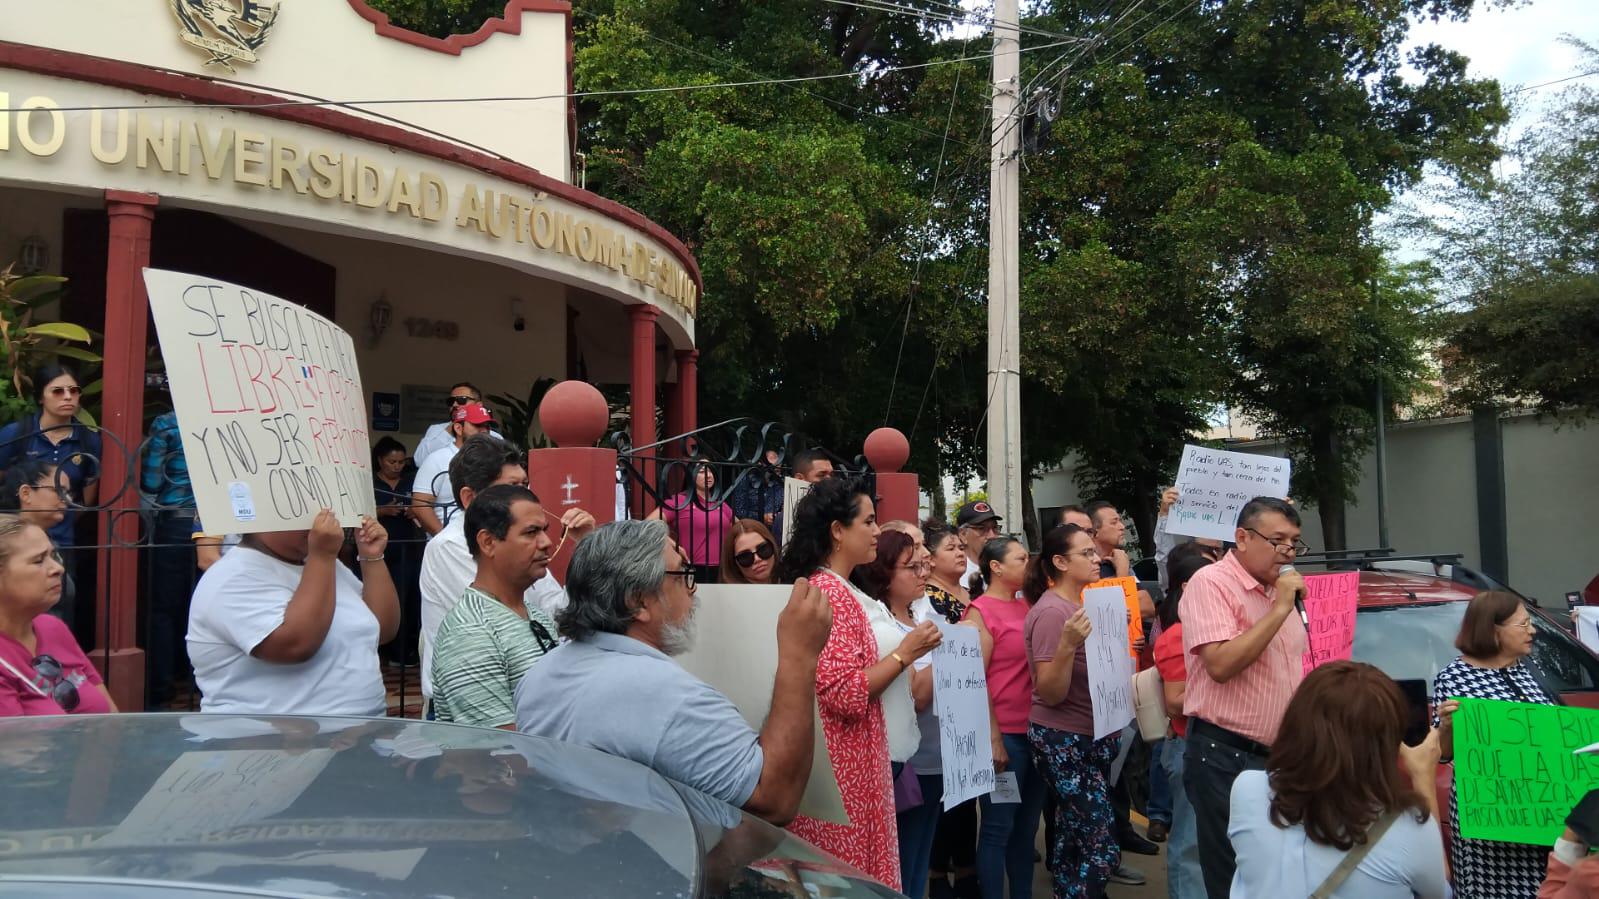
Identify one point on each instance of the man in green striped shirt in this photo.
(491, 637)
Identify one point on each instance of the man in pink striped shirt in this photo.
(1244, 644)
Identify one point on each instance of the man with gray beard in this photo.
(614, 686)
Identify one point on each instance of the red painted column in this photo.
(688, 388)
(898, 496)
(643, 318)
(574, 473)
(127, 309)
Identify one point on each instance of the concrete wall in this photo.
(1551, 492)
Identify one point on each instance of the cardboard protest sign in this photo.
(1517, 769)
(1330, 603)
(270, 403)
(1129, 588)
(960, 699)
(735, 651)
(1213, 485)
(1110, 668)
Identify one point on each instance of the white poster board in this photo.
(270, 403)
(960, 700)
(735, 651)
(206, 792)
(1214, 485)
(1587, 620)
(794, 490)
(1110, 668)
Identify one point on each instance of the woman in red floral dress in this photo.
(835, 529)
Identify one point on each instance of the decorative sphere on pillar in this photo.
(887, 450)
(573, 413)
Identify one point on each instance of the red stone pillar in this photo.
(127, 309)
(898, 494)
(574, 473)
(643, 318)
(688, 389)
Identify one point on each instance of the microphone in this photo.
(1299, 598)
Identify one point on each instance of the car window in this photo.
(1566, 666)
(1409, 642)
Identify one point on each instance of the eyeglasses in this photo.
(746, 559)
(1296, 548)
(1089, 553)
(1524, 625)
(58, 491)
(463, 400)
(687, 574)
(63, 691)
(74, 390)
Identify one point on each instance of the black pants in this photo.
(171, 581)
(1209, 769)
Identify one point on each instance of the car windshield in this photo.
(1414, 642)
(370, 807)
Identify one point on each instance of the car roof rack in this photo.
(1371, 559)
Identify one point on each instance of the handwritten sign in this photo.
(735, 651)
(1129, 588)
(207, 792)
(270, 403)
(1214, 485)
(960, 699)
(1517, 774)
(1330, 603)
(1110, 668)
(794, 490)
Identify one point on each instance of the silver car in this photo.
(229, 805)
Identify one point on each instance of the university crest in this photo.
(230, 30)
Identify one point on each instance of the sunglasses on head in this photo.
(746, 559)
(63, 691)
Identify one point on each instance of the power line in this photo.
(1533, 87)
(616, 92)
(889, 6)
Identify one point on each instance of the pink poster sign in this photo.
(1330, 601)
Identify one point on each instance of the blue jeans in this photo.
(1160, 799)
(1005, 839)
(1184, 880)
(916, 828)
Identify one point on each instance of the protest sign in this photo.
(1110, 668)
(1213, 485)
(794, 490)
(206, 792)
(270, 404)
(1330, 602)
(1135, 626)
(1587, 620)
(735, 651)
(1518, 772)
(960, 699)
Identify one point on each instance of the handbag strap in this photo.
(1353, 856)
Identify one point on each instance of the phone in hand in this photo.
(1584, 819)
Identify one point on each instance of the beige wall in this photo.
(324, 49)
(1551, 493)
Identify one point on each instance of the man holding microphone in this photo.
(1244, 641)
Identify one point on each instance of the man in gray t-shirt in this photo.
(615, 687)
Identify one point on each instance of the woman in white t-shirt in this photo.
(1341, 783)
(278, 626)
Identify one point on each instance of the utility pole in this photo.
(1382, 439)
(1004, 278)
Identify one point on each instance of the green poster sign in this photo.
(1517, 774)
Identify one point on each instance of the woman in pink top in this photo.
(699, 523)
(42, 669)
(1005, 840)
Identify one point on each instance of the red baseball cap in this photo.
(472, 413)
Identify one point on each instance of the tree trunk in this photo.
(1030, 517)
(1327, 452)
(937, 509)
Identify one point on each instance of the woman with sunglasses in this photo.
(54, 435)
(43, 671)
(749, 553)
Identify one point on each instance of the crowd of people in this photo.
(1270, 782)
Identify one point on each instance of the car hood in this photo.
(307, 806)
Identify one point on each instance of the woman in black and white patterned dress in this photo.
(1495, 637)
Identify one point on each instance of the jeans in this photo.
(1183, 877)
(1209, 769)
(1160, 797)
(1005, 837)
(1084, 852)
(916, 828)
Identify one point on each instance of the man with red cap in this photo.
(433, 473)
